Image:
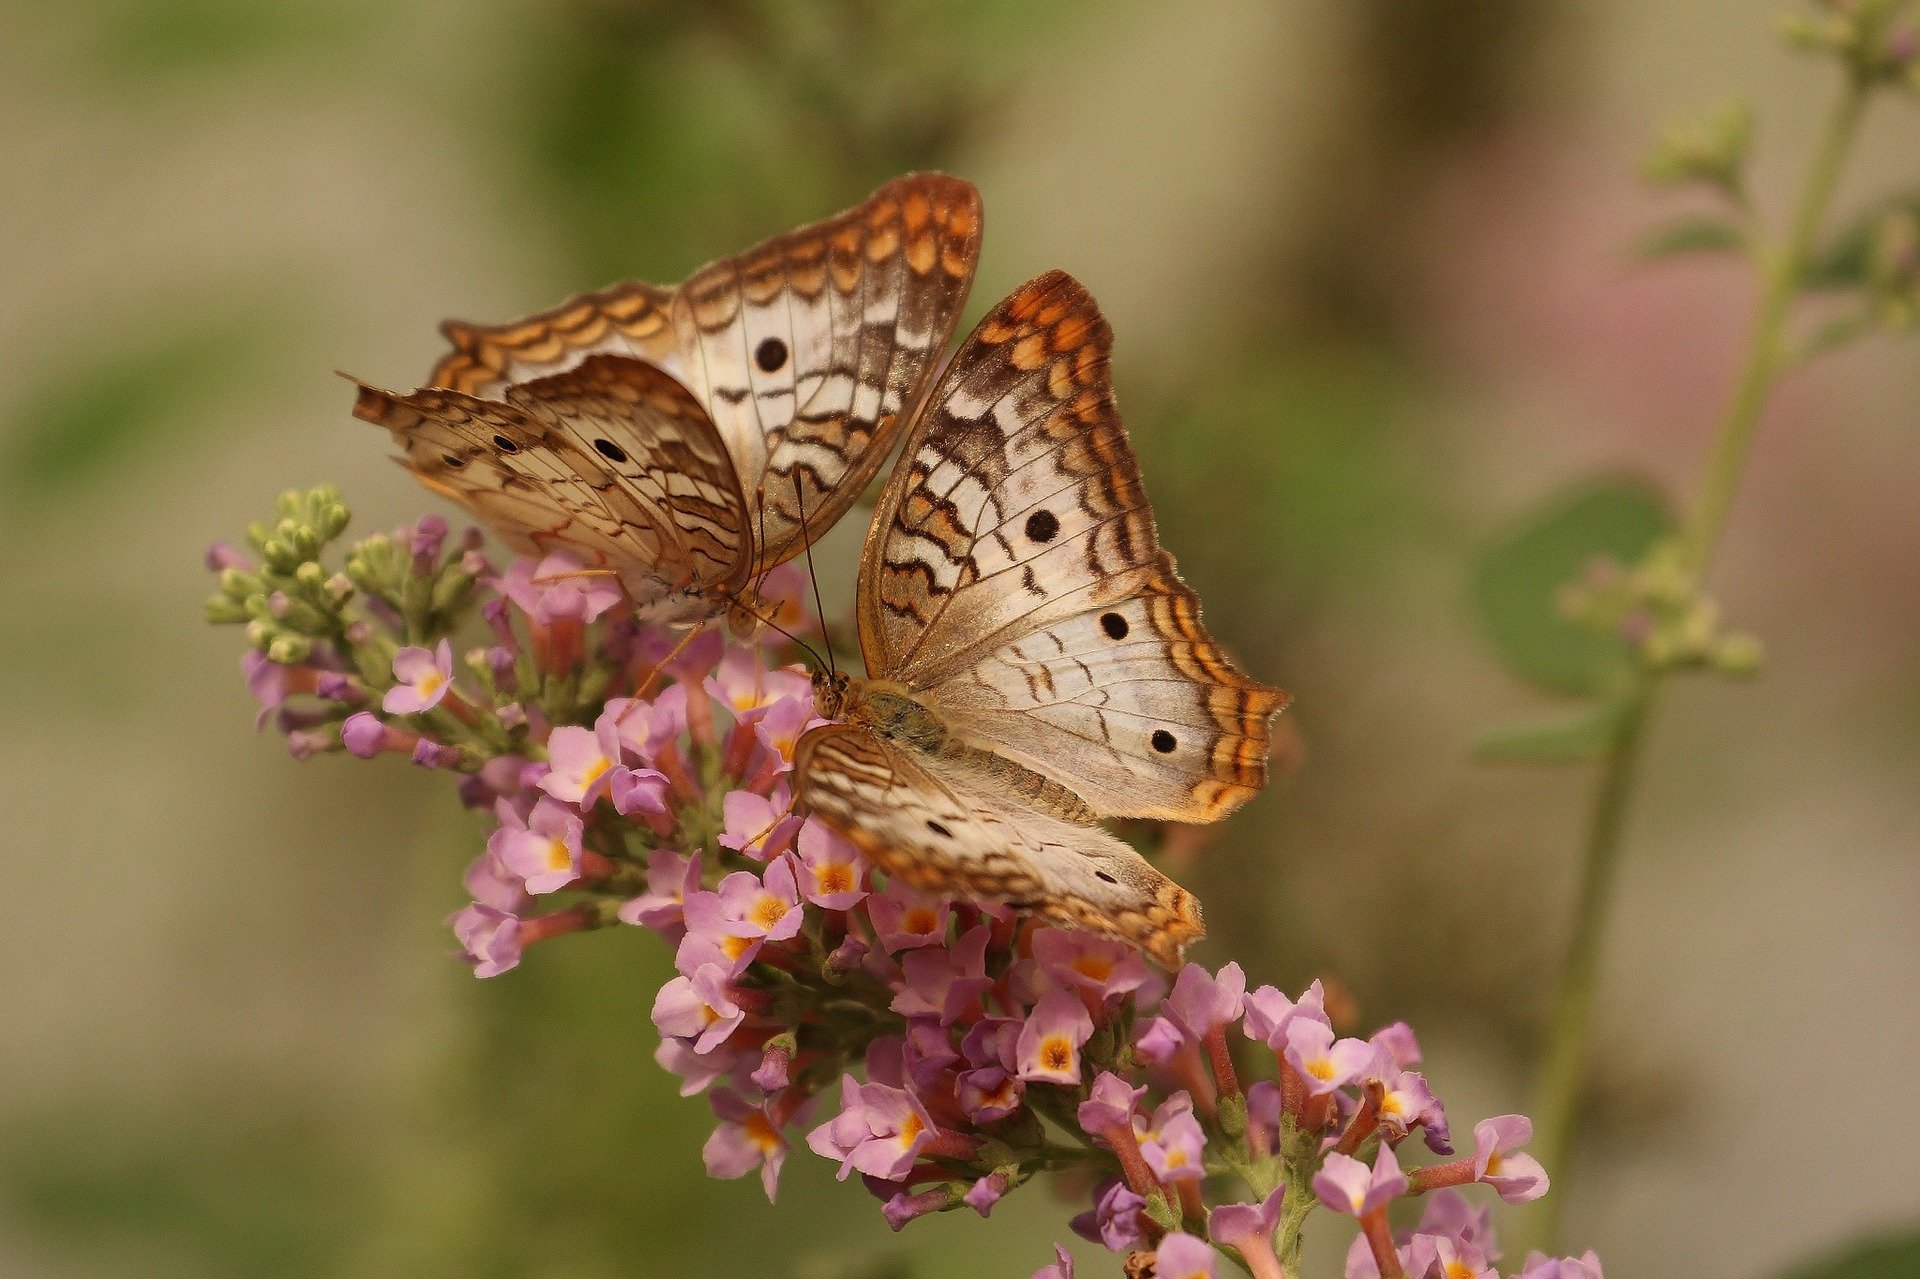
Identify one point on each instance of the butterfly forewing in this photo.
(945, 828)
(811, 350)
(629, 318)
(1012, 576)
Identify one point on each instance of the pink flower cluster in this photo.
(944, 1050)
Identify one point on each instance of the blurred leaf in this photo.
(1846, 260)
(1582, 737)
(68, 429)
(1889, 1257)
(1517, 586)
(193, 37)
(1690, 235)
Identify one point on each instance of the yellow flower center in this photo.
(761, 1133)
(708, 1014)
(734, 947)
(1458, 1270)
(431, 683)
(1321, 1068)
(833, 877)
(1056, 1052)
(1390, 1105)
(559, 856)
(921, 919)
(595, 771)
(1176, 1158)
(767, 911)
(1096, 967)
(1493, 1164)
(910, 1129)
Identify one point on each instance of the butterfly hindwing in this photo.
(946, 828)
(611, 460)
(1013, 578)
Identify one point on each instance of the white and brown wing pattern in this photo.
(945, 826)
(812, 350)
(1013, 580)
(809, 351)
(611, 460)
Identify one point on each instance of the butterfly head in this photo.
(832, 692)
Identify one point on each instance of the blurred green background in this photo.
(1365, 265)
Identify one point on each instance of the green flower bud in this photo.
(260, 633)
(1741, 656)
(222, 611)
(290, 650)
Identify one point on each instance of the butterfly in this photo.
(1034, 663)
(687, 440)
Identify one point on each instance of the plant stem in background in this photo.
(1564, 1067)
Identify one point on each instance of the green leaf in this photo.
(1888, 1257)
(1846, 260)
(1690, 235)
(1518, 583)
(1585, 736)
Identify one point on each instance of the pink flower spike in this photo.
(1516, 1178)
(423, 679)
(1540, 1266)
(747, 1138)
(582, 760)
(1062, 1267)
(1346, 1185)
(1049, 1047)
(544, 851)
(1324, 1063)
(1182, 1256)
(831, 875)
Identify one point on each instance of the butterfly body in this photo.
(1035, 663)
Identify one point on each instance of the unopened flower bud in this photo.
(290, 650)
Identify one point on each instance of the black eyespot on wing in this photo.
(1163, 741)
(770, 355)
(1042, 526)
(1104, 877)
(609, 450)
(453, 460)
(938, 829)
(505, 445)
(1114, 625)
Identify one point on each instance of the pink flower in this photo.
(1244, 1226)
(1110, 1105)
(424, 678)
(489, 938)
(831, 872)
(1114, 1219)
(1406, 1103)
(544, 850)
(1062, 1267)
(903, 919)
(699, 1008)
(640, 792)
(1516, 1178)
(555, 588)
(747, 1138)
(944, 982)
(879, 1131)
(1448, 1258)
(1202, 1003)
(670, 877)
(766, 907)
(1182, 1256)
(986, 1192)
(1346, 1185)
(1539, 1266)
(1099, 965)
(1398, 1043)
(757, 826)
(697, 1071)
(1324, 1063)
(742, 682)
(644, 728)
(582, 758)
(1172, 1142)
(1050, 1042)
(1270, 1014)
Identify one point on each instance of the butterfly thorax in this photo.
(895, 713)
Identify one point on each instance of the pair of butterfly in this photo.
(1034, 663)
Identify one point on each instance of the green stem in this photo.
(1563, 1072)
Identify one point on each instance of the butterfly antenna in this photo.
(764, 620)
(806, 541)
